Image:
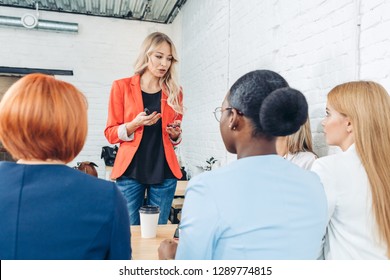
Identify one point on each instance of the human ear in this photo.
(349, 125)
(233, 120)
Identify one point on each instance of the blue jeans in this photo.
(159, 195)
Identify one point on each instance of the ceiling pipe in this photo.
(48, 25)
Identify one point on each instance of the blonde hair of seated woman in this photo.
(298, 147)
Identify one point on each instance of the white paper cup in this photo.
(149, 220)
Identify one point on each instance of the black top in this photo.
(149, 165)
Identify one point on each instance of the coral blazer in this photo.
(124, 105)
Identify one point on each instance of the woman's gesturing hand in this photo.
(174, 129)
(143, 119)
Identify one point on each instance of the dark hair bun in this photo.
(283, 112)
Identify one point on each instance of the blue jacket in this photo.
(52, 212)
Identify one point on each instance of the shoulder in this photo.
(127, 81)
(302, 159)
(88, 183)
(338, 160)
(10, 171)
(329, 168)
(204, 180)
(8, 165)
(99, 184)
(308, 155)
(327, 160)
(300, 170)
(105, 194)
(199, 180)
(341, 165)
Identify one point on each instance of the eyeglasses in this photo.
(219, 110)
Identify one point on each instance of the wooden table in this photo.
(146, 248)
(181, 188)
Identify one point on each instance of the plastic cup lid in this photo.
(149, 209)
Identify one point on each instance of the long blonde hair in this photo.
(169, 81)
(300, 141)
(367, 104)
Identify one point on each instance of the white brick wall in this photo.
(375, 41)
(103, 50)
(312, 43)
(204, 78)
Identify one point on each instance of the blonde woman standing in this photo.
(298, 147)
(144, 116)
(357, 181)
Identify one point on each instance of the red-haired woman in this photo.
(47, 209)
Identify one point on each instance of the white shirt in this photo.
(302, 159)
(352, 231)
